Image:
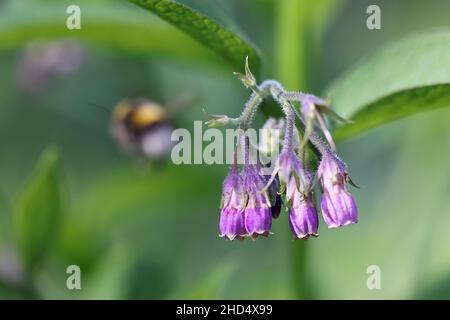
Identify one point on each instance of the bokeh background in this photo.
(149, 231)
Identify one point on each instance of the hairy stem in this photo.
(321, 146)
(284, 99)
(289, 132)
(251, 106)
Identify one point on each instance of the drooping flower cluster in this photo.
(250, 199)
(247, 209)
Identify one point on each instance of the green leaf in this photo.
(38, 212)
(396, 106)
(404, 78)
(226, 43)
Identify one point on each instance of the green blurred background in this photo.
(144, 231)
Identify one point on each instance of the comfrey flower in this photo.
(257, 213)
(338, 205)
(251, 200)
(303, 218)
(233, 204)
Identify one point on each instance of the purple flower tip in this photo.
(339, 209)
(304, 221)
(257, 213)
(338, 205)
(231, 223)
(258, 221)
(303, 218)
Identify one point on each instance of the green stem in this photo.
(291, 53)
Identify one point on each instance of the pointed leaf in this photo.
(207, 31)
(38, 213)
(404, 78)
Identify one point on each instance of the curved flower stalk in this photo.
(250, 199)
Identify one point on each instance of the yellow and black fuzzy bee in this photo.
(143, 126)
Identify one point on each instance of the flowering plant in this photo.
(247, 207)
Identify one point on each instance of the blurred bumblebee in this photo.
(142, 126)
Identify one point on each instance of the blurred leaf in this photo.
(9, 292)
(4, 215)
(3, 202)
(210, 285)
(300, 28)
(440, 290)
(128, 193)
(407, 77)
(111, 24)
(110, 277)
(404, 220)
(201, 27)
(38, 213)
